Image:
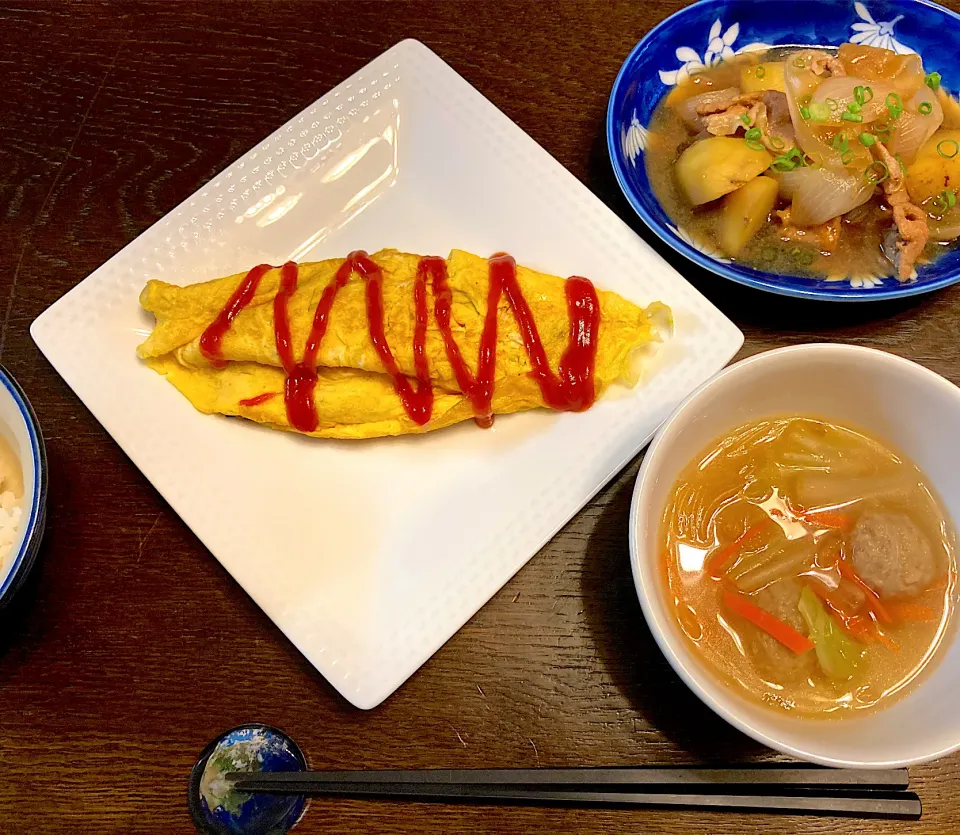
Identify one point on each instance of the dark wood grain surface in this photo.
(131, 647)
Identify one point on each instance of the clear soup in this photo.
(810, 565)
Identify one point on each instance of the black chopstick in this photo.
(546, 778)
(901, 805)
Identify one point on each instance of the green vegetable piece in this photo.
(839, 655)
(867, 139)
(948, 148)
(932, 81)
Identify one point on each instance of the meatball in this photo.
(892, 555)
(773, 660)
(782, 600)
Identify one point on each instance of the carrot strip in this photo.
(717, 561)
(910, 610)
(873, 599)
(818, 587)
(861, 628)
(776, 628)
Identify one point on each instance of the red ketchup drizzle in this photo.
(570, 389)
(260, 398)
(302, 378)
(281, 317)
(418, 403)
(212, 337)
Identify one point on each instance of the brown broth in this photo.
(859, 251)
(798, 477)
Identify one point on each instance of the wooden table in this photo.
(131, 647)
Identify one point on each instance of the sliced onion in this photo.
(799, 83)
(945, 229)
(841, 88)
(913, 128)
(688, 109)
(821, 194)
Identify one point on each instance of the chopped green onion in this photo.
(761, 71)
(903, 168)
(846, 157)
(807, 257)
(819, 111)
(851, 117)
(753, 133)
(949, 144)
(853, 107)
(882, 131)
(832, 104)
(800, 62)
(858, 94)
(804, 112)
(894, 105)
(868, 94)
(777, 143)
(752, 142)
(787, 161)
(925, 108)
(867, 139)
(839, 142)
(932, 81)
(745, 119)
(876, 172)
(944, 201)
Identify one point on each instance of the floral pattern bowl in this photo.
(711, 31)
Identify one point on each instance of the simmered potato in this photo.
(713, 167)
(768, 76)
(933, 172)
(744, 212)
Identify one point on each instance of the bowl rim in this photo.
(768, 285)
(26, 554)
(725, 707)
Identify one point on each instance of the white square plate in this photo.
(370, 555)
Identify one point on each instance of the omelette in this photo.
(394, 343)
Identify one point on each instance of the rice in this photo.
(9, 524)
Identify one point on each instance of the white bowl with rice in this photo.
(23, 486)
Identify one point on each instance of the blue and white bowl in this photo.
(19, 427)
(711, 31)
